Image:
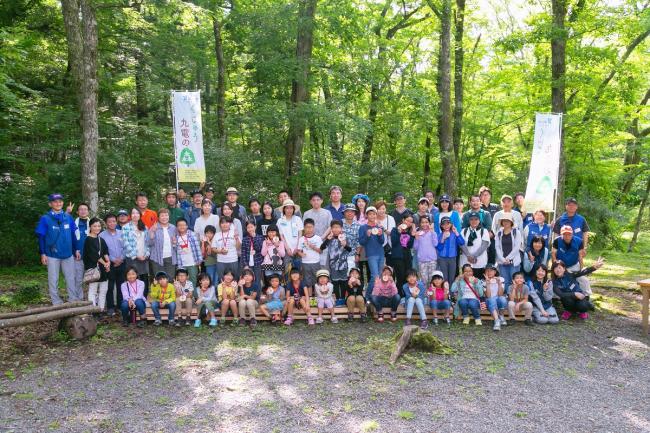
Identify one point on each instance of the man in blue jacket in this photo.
(57, 245)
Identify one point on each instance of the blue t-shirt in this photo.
(576, 222)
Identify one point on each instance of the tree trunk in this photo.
(403, 342)
(443, 86)
(141, 111)
(90, 146)
(70, 9)
(221, 83)
(427, 163)
(299, 95)
(558, 70)
(334, 144)
(639, 218)
(459, 60)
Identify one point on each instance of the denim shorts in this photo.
(498, 302)
(440, 305)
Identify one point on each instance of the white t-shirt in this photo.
(388, 225)
(289, 230)
(494, 287)
(202, 222)
(226, 240)
(312, 256)
(481, 260)
(167, 244)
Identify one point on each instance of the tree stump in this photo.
(79, 327)
(403, 342)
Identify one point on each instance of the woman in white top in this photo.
(290, 227)
(207, 218)
(227, 242)
(385, 220)
(227, 211)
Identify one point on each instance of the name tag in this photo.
(66, 226)
(572, 286)
(577, 230)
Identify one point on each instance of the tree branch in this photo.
(434, 8)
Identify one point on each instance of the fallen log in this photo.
(49, 315)
(39, 310)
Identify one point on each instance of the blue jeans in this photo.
(375, 263)
(410, 302)
(506, 271)
(498, 302)
(440, 305)
(384, 301)
(466, 304)
(211, 270)
(140, 306)
(155, 306)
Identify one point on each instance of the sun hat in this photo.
(288, 202)
(371, 209)
(507, 216)
(232, 190)
(322, 273)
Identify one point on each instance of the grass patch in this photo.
(370, 425)
(622, 269)
(406, 415)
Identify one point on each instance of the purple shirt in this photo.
(114, 243)
(425, 245)
(131, 292)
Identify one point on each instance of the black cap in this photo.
(444, 197)
(195, 192)
(122, 212)
(445, 220)
(398, 195)
(473, 214)
(571, 200)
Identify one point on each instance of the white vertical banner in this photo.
(188, 136)
(544, 163)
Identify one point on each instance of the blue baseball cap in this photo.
(55, 196)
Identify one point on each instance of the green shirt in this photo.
(174, 214)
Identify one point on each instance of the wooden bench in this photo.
(340, 313)
(644, 285)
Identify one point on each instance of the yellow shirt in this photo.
(227, 292)
(166, 295)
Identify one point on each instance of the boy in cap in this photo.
(163, 295)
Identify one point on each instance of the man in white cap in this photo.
(238, 210)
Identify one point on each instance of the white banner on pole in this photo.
(188, 137)
(545, 163)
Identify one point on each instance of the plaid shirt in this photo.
(258, 240)
(352, 234)
(195, 246)
(131, 243)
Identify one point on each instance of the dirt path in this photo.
(572, 377)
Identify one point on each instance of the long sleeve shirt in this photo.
(425, 244)
(410, 292)
(56, 235)
(374, 244)
(449, 247)
(386, 289)
(191, 242)
(133, 291)
(251, 244)
(157, 244)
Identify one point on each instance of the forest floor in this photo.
(575, 376)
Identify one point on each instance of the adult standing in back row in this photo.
(57, 245)
(238, 210)
(574, 220)
(335, 207)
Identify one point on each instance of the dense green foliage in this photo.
(148, 48)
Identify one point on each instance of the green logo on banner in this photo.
(187, 157)
(544, 185)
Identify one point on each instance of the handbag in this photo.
(481, 299)
(93, 274)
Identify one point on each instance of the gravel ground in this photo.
(573, 377)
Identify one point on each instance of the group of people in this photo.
(224, 258)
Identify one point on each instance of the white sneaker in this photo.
(497, 325)
(503, 321)
(335, 320)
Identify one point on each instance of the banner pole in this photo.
(171, 103)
